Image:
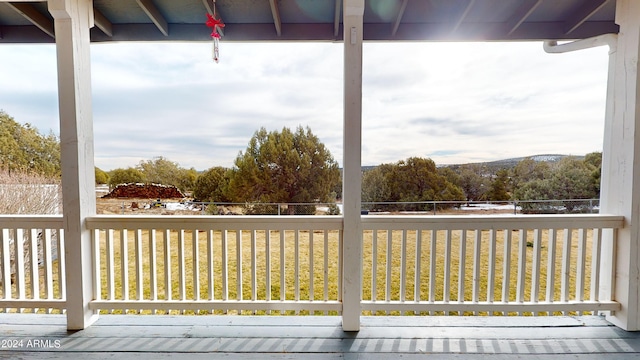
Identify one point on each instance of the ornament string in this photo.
(215, 25)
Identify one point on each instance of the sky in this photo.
(451, 102)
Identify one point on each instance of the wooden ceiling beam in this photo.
(30, 13)
(209, 6)
(154, 14)
(275, 12)
(336, 18)
(463, 16)
(521, 14)
(103, 23)
(583, 14)
(399, 16)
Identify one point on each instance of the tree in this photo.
(336, 191)
(411, 180)
(527, 170)
(286, 167)
(375, 187)
(101, 176)
(498, 188)
(125, 176)
(187, 179)
(536, 189)
(474, 181)
(570, 178)
(594, 162)
(451, 175)
(212, 185)
(160, 170)
(23, 149)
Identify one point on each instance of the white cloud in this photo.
(453, 102)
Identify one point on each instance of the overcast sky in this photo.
(451, 102)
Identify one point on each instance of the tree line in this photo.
(417, 179)
(295, 167)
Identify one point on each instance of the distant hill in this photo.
(509, 163)
(500, 164)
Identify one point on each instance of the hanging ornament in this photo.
(216, 50)
(215, 25)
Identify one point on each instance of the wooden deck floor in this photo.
(28, 336)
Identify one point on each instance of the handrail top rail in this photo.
(4, 217)
(217, 222)
(495, 222)
(329, 222)
(31, 221)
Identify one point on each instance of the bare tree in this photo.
(22, 193)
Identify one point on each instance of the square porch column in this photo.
(620, 186)
(352, 174)
(73, 19)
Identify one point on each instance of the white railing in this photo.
(542, 264)
(454, 265)
(217, 263)
(32, 272)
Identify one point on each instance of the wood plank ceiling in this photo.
(320, 20)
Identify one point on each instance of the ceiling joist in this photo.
(396, 24)
(208, 4)
(521, 14)
(275, 12)
(102, 23)
(30, 13)
(583, 14)
(154, 14)
(463, 16)
(336, 18)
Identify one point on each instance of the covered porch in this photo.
(294, 337)
(506, 265)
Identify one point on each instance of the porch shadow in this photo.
(313, 337)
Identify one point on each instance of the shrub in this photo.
(22, 193)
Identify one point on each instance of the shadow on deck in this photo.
(28, 336)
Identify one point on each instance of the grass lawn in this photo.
(271, 256)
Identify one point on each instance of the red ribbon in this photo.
(213, 23)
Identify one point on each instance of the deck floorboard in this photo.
(29, 336)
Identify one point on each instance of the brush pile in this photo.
(145, 191)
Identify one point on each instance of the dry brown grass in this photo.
(249, 248)
(288, 287)
(453, 285)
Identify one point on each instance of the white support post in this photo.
(620, 186)
(351, 181)
(73, 19)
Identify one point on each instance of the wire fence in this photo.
(566, 206)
